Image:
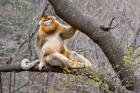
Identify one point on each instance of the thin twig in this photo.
(10, 76)
(30, 57)
(111, 21)
(109, 27)
(0, 83)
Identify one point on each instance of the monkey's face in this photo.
(48, 23)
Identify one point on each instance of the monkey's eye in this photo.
(48, 22)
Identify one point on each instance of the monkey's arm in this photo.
(37, 45)
(39, 42)
(68, 32)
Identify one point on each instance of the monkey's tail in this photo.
(26, 64)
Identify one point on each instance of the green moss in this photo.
(128, 54)
(66, 70)
(137, 51)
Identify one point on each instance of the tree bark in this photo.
(107, 42)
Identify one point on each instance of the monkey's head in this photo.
(48, 23)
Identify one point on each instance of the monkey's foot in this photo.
(75, 64)
(40, 66)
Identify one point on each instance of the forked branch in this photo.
(109, 27)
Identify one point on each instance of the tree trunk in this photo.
(107, 42)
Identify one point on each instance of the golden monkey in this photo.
(50, 47)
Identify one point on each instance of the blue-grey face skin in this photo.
(48, 22)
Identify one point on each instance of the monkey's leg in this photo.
(57, 59)
(77, 57)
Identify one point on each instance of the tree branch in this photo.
(84, 72)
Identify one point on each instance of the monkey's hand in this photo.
(26, 64)
(68, 32)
